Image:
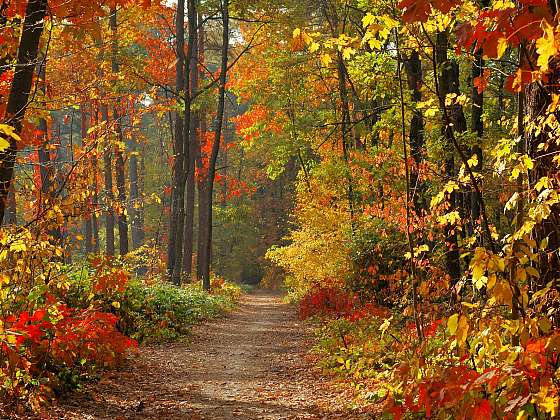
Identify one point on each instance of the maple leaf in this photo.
(415, 11)
(483, 411)
(445, 6)
(481, 82)
(516, 81)
(547, 47)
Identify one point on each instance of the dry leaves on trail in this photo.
(252, 365)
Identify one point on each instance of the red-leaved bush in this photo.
(55, 340)
(334, 302)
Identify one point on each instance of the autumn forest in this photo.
(288, 209)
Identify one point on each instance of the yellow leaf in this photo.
(545, 325)
(313, 47)
(478, 271)
(462, 330)
(368, 20)
(4, 144)
(452, 323)
(116, 304)
(348, 52)
(502, 293)
(297, 32)
(502, 46)
(18, 246)
(546, 46)
(326, 60)
(10, 132)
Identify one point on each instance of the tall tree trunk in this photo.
(415, 79)
(477, 125)
(176, 203)
(94, 216)
(20, 90)
(542, 148)
(188, 239)
(201, 180)
(330, 13)
(121, 189)
(448, 83)
(109, 196)
(185, 138)
(88, 222)
(207, 231)
(119, 158)
(10, 216)
(46, 164)
(136, 205)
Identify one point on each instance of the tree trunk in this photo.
(207, 231)
(543, 148)
(194, 126)
(94, 218)
(119, 159)
(415, 78)
(186, 148)
(136, 204)
(477, 127)
(201, 180)
(88, 222)
(46, 165)
(448, 83)
(10, 216)
(176, 202)
(109, 196)
(20, 90)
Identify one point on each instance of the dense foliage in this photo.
(425, 235)
(394, 164)
(62, 323)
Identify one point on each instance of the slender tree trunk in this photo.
(119, 158)
(330, 14)
(201, 180)
(542, 148)
(343, 91)
(413, 67)
(20, 90)
(448, 82)
(136, 205)
(188, 239)
(477, 125)
(202, 203)
(46, 164)
(206, 262)
(109, 196)
(176, 203)
(94, 218)
(88, 222)
(121, 189)
(10, 216)
(185, 138)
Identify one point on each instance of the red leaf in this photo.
(415, 11)
(483, 411)
(39, 315)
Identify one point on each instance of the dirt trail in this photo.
(251, 365)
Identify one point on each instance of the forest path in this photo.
(252, 364)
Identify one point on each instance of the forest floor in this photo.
(252, 364)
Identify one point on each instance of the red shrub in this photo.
(336, 303)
